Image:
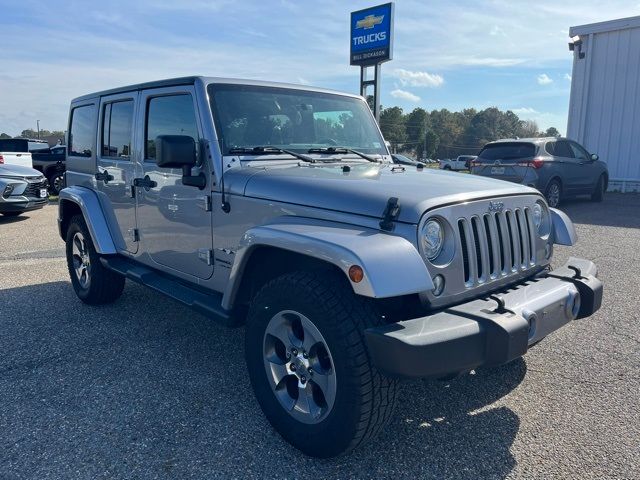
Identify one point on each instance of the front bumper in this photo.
(489, 331)
(22, 204)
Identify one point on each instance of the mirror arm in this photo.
(189, 180)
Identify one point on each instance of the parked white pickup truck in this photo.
(15, 151)
(460, 163)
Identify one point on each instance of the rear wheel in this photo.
(601, 187)
(309, 365)
(93, 283)
(553, 193)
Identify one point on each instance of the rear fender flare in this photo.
(392, 265)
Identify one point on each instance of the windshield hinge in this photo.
(390, 214)
(134, 234)
(206, 255)
(206, 203)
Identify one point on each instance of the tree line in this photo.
(29, 133)
(445, 134)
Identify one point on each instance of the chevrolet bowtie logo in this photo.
(369, 21)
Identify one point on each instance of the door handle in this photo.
(103, 176)
(145, 183)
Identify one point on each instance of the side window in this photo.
(81, 131)
(562, 149)
(578, 152)
(550, 147)
(117, 119)
(169, 115)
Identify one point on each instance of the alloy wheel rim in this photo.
(554, 195)
(81, 260)
(57, 183)
(299, 367)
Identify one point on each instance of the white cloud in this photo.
(544, 79)
(525, 111)
(417, 79)
(404, 95)
(567, 77)
(496, 30)
(491, 61)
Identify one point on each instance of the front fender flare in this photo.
(564, 233)
(392, 265)
(93, 215)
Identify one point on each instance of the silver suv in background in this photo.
(558, 167)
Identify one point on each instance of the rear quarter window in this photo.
(81, 131)
(507, 151)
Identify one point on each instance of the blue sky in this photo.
(509, 54)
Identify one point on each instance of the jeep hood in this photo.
(366, 188)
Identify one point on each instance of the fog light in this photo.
(438, 285)
(8, 190)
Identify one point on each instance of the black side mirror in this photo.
(594, 157)
(179, 151)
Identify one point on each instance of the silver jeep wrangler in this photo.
(278, 207)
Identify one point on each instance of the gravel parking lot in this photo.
(145, 388)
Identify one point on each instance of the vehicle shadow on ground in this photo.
(7, 220)
(617, 210)
(145, 388)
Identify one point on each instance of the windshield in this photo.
(247, 116)
(507, 151)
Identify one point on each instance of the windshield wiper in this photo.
(342, 150)
(269, 150)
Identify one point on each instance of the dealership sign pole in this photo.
(372, 45)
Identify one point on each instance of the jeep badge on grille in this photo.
(496, 206)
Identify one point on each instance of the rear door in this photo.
(174, 220)
(505, 160)
(116, 166)
(566, 166)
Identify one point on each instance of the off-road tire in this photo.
(598, 193)
(105, 286)
(365, 398)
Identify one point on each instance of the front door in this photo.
(586, 170)
(174, 221)
(117, 167)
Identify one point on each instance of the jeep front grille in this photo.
(496, 245)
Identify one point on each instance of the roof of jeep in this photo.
(170, 82)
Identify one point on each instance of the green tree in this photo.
(552, 132)
(392, 124)
(431, 144)
(416, 125)
(4, 135)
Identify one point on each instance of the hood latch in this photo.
(390, 214)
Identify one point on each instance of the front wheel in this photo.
(598, 193)
(309, 365)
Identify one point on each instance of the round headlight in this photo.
(537, 215)
(432, 238)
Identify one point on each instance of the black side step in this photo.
(209, 304)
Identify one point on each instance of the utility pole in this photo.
(38, 123)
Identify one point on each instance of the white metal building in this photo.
(604, 108)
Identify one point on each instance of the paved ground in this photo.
(145, 388)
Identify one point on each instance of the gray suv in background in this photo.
(557, 167)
